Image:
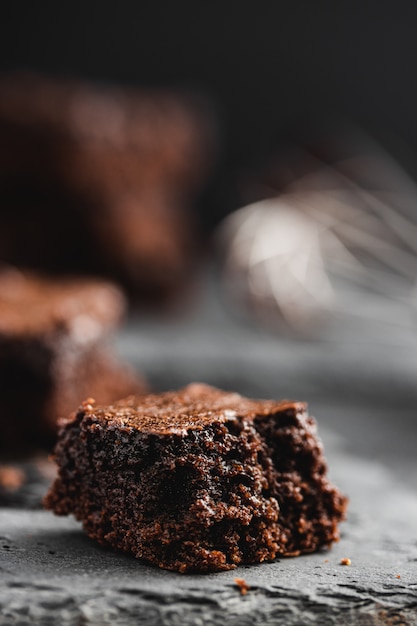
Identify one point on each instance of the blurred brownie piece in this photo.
(101, 180)
(197, 480)
(54, 351)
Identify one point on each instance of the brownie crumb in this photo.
(345, 561)
(243, 586)
(23, 484)
(11, 478)
(197, 480)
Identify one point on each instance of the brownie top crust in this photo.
(178, 412)
(31, 304)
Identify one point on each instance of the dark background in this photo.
(271, 70)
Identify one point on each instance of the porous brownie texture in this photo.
(55, 349)
(197, 480)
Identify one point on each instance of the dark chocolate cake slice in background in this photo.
(55, 349)
(102, 180)
(197, 480)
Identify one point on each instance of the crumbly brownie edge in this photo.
(311, 507)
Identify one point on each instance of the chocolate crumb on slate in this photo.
(243, 586)
(11, 478)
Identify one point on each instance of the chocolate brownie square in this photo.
(101, 179)
(197, 480)
(54, 351)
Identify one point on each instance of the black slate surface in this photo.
(361, 387)
(52, 573)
